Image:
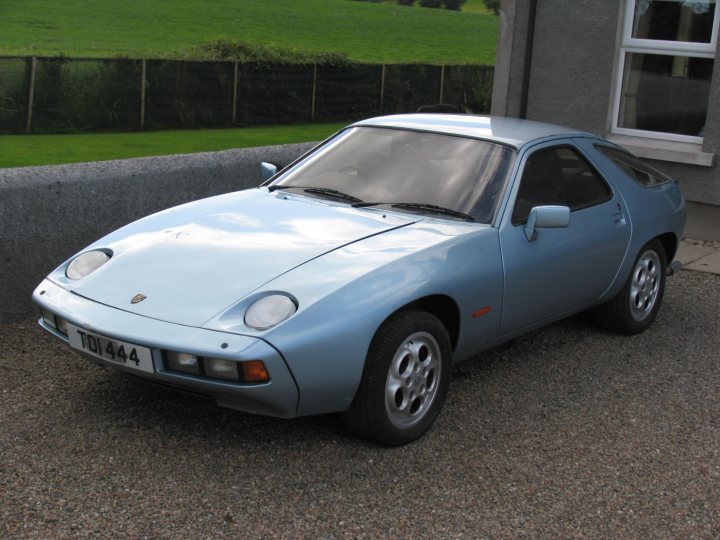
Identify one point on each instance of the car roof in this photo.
(510, 131)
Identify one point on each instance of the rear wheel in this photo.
(634, 308)
(405, 381)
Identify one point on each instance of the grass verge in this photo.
(364, 31)
(29, 150)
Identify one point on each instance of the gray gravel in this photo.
(568, 432)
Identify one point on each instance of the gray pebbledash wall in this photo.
(572, 81)
(49, 213)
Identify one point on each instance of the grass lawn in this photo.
(26, 150)
(475, 6)
(364, 31)
(471, 6)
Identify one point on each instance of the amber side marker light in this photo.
(482, 311)
(254, 371)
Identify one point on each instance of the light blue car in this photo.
(352, 280)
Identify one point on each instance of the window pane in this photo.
(636, 169)
(665, 93)
(394, 166)
(674, 20)
(558, 176)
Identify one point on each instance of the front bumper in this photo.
(277, 397)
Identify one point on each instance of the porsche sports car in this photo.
(352, 280)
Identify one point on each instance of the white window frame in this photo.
(630, 44)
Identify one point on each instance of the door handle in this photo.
(618, 216)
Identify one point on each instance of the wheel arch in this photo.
(670, 244)
(444, 308)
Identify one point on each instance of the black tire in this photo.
(405, 380)
(634, 308)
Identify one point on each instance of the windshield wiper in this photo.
(431, 208)
(320, 191)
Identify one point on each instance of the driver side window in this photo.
(558, 176)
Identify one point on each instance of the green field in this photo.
(28, 150)
(365, 32)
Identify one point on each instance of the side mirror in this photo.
(546, 217)
(267, 170)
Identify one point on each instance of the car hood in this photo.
(193, 261)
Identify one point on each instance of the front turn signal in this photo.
(254, 371)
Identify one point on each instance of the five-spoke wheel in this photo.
(412, 381)
(405, 381)
(634, 308)
(645, 284)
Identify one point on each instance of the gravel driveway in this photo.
(568, 432)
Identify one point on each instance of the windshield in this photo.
(391, 166)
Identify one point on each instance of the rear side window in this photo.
(635, 168)
(558, 176)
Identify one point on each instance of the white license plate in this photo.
(112, 350)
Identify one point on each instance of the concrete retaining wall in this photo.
(49, 213)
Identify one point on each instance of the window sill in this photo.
(678, 152)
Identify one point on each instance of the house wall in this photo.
(572, 81)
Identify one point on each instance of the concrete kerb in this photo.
(49, 213)
(701, 256)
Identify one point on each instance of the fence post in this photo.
(382, 89)
(31, 94)
(235, 88)
(314, 93)
(142, 93)
(442, 82)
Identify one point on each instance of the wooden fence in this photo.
(60, 95)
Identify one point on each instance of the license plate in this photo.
(112, 350)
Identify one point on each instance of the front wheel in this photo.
(405, 381)
(634, 308)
